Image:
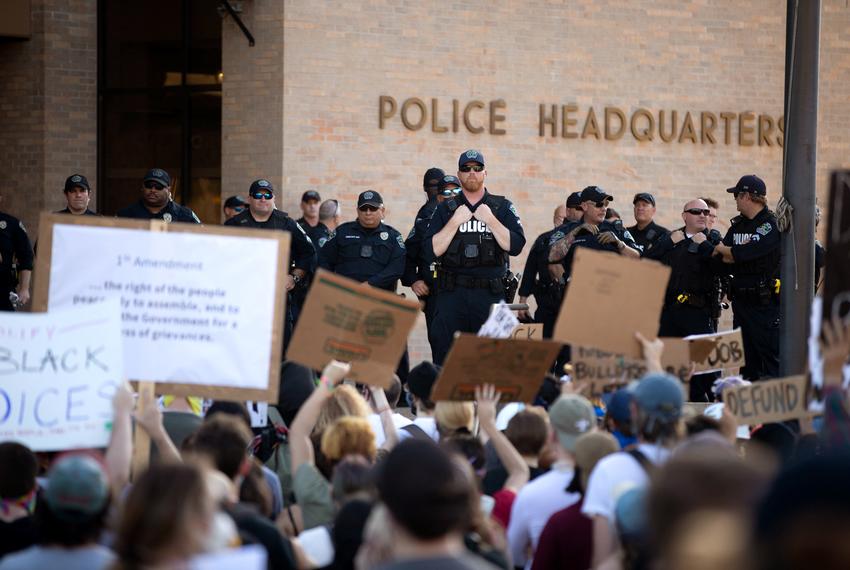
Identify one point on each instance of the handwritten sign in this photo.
(528, 331)
(609, 298)
(353, 322)
(500, 324)
(725, 351)
(58, 374)
(192, 320)
(768, 401)
(515, 367)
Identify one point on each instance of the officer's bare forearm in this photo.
(559, 249)
(502, 235)
(441, 240)
(24, 278)
(626, 251)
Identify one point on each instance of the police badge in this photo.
(167, 217)
(764, 229)
(2, 224)
(385, 236)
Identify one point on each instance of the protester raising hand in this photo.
(149, 418)
(518, 472)
(652, 350)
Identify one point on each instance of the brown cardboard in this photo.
(528, 331)
(353, 322)
(768, 401)
(609, 298)
(720, 351)
(515, 367)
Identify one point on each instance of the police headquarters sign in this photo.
(573, 121)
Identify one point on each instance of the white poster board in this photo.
(58, 373)
(199, 305)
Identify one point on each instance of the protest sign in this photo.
(528, 331)
(353, 322)
(191, 319)
(500, 323)
(609, 298)
(723, 351)
(768, 401)
(836, 289)
(58, 374)
(600, 369)
(515, 367)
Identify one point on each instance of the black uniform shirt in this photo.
(14, 244)
(417, 264)
(86, 213)
(318, 234)
(302, 253)
(172, 212)
(536, 265)
(648, 235)
(692, 270)
(588, 240)
(755, 248)
(374, 256)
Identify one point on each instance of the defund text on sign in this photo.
(767, 401)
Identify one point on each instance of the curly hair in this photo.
(349, 435)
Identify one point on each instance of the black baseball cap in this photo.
(645, 196)
(595, 194)
(574, 200)
(370, 198)
(447, 180)
(261, 185)
(750, 183)
(310, 195)
(234, 202)
(158, 175)
(76, 180)
(432, 177)
(471, 155)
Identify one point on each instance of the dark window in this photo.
(160, 101)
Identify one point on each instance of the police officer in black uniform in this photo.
(420, 270)
(77, 196)
(262, 214)
(431, 187)
(310, 222)
(472, 237)
(16, 259)
(645, 232)
(751, 252)
(156, 202)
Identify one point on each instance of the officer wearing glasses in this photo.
(262, 214)
(471, 236)
(234, 205)
(156, 202)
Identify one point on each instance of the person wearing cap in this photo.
(472, 237)
(77, 196)
(571, 416)
(234, 205)
(263, 214)
(70, 519)
(645, 231)
(574, 209)
(537, 281)
(656, 410)
(431, 186)
(309, 220)
(156, 202)
(419, 268)
(750, 252)
(16, 262)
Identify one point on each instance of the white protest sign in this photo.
(252, 557)
(500, 324)
(58, 373)
(259, 412)
(199, 306)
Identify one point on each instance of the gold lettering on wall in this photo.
(591, 127)
(644, 134)
(496, 117)
(386, 109)
(423, 113)
(610, 134)
(745, 131)
(466, 120)
(567, 122)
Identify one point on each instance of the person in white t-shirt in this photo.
(570, 416)
(420, 381)
(393, 394)
(657, 409)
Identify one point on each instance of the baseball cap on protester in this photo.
(571, 415)
(659, 396)
(750, 183)
(595, 194)
(370, 198)
(77, 487)
(260, 185)
(310, 195)
(432, 177)
(421, 379)
(645, 196)
(470, 155)
(76, 180)
(234, 202)
(574, 200)
(158, 175)
(618, 406)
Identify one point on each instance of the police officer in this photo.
(431, 187)
(645, 231)
(574, 210)
(16, 259)
(77, 196)
(262, 214)
(690, 296)
(156, 202)
(234, 205)
(751, 251)
(472, 237)
(366, 250)
(309, 220)
(420, 269)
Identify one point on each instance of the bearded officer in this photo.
(471, 236)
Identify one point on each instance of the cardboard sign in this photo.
(768, 401)
(501, 322)
(202, 307)
(515, 367)
(528, 331)
(609, 298)
(600, 369)
(353, 322)
(836, 289)
(725, 351)
(58, 374)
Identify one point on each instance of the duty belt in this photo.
(698, 300)
(449, 281)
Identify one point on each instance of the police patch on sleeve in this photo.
(385, 236)
(322, 241)
(628, 235)
(2, 224)
(555, 237)
(764, 229)
(400, 241)
(512, 208)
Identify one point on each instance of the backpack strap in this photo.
(643, 460)
(416, 432)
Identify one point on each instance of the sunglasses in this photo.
(239, 209)
(603, 204)
(262, 195)
(698, 211)
(150, 185)
(368, 208)
(450, 192)
(471, 168)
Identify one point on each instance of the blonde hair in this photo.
(454, 416)
(348, 435)
(345, 401)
